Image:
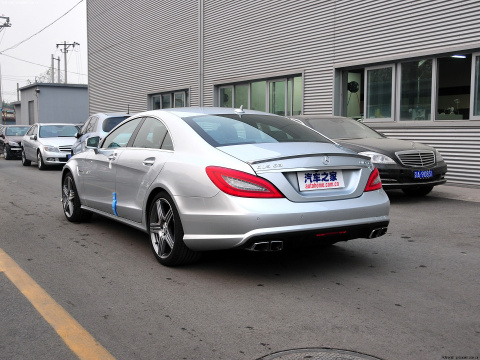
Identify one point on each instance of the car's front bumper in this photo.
(222, 223)
(401, 177)
(55, 158)
(14, 151)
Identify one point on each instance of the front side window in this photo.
(224, 130)
(416, 90)
(151, 134)
(379, 93)
(121, 136)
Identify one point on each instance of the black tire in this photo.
(25, 162)
(6, 152)
(166, 233)
(71, 201)
(419, 191)
(40, 163)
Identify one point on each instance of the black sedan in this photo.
(413, 167)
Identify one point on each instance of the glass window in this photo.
(226, 97)
(353, 100)
(49, 131)
(179, 99)
(277, 97)
(453, 98)
(151, 134)
(297, 95)
(15, 130)
(258, 95)
(156, 102)
(241, 96)
(379, 93)
(166, 101)
(121, 136)
(476, 98)
(416, 90)
(167, 143)
(111, 122)
(223, 130)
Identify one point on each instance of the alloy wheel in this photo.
(68, 196)
(162, 228)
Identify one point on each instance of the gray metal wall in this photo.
(137, 48)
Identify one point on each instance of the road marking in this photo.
(71, 332)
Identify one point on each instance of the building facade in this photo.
(52, 102)
(408, 68)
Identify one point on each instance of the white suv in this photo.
(97, 125)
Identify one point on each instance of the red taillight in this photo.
(374, 182)
(238, 183)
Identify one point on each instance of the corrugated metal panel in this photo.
(138, 48)
(254, 38)
(459, 146)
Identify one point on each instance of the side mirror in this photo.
(33, 137)
(92, 142)
(78, 134)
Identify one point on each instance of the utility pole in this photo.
(53, 70)
(65, 51)
(4, 25)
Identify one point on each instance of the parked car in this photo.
(48, 144)
(11, 140)
(413, 167)
(97, 125)
(198, 179)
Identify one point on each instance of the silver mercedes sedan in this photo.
(198, 179)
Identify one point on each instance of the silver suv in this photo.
(97, 125)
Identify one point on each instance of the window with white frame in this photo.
(427, 89)
(168, 100)
(281, 96)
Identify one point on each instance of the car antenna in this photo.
(128, 109)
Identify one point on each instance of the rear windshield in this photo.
(343, 129)
(48, 131)
(223, 130)
(16, 130)
(111, 122)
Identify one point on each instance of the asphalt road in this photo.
(411, 294)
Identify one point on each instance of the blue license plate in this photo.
(69, 156)
(425, 174)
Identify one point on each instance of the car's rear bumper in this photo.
(220, 223)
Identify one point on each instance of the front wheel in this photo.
(6, 153)
(25, 162)
(71, 201)
(40, 163)
(419, 191)
(166, 233)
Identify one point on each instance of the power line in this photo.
(45, 66)
(38, 32)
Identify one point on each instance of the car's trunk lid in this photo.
(306, 172)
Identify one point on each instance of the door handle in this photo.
(112, 157)
(149, 161)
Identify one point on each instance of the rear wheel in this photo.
(166, 233)
(71, 201)
(419, 191)
(25, 162)
(40, 163)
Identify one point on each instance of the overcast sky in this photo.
(28, 17)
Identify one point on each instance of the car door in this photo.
(139, 166)
(29, 143)
(98, 169)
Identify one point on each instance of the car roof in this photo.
(43, 124)
(192, 111)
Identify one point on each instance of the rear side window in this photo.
(151, 134)
(223, 130)
(111, 122)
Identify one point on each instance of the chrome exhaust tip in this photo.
(378, 232)
(275, 245)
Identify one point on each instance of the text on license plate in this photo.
(423, 174)
(320, 180)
